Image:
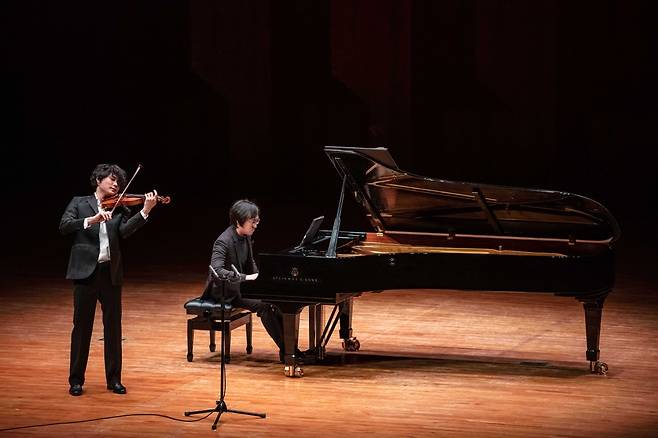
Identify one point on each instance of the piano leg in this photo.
(290, 335)
(315, 326)
(593, 309)
(350, 343)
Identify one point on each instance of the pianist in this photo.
(233, 248)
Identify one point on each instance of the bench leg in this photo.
(248, 329)
(212, 339)
(190, 341)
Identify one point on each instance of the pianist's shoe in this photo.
(298, 354)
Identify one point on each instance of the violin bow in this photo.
(139, 166)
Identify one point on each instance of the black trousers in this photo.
(97, 287)
(270, 316)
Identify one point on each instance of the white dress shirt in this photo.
(104, 253)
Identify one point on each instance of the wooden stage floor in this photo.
(432, 363)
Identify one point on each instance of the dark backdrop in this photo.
(221, 100)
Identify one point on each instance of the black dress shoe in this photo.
(117, 388)
(75, 390)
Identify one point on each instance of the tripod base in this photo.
(220, 409)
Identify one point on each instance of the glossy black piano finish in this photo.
(436, 234)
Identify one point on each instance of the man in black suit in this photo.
(96, 269)
(234, 248)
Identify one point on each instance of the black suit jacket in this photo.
(86, 243)
(225, 254)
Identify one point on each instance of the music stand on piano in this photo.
(220, 405)
(311, 232)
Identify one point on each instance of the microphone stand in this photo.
(220, 405)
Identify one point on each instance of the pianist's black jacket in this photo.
(225, 254)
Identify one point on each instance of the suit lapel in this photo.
(235, 248)
(93, 203)
(249, 254)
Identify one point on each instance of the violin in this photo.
(130, 200)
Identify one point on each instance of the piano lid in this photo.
(400, 201)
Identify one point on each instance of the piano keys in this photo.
(430, 233)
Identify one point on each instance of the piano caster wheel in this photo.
(351, 344)
(293, 371)
(250, 349)
(212, 348)
(190, 357)
(599, 367)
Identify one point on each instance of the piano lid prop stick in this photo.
(331, 251)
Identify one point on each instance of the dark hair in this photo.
(241, 211)
(102, 171)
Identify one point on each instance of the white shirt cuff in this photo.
(86, 223)
(144, 215)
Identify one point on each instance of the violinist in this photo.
(96, 269)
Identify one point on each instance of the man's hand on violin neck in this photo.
(150, 201)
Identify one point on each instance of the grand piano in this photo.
(430, 233)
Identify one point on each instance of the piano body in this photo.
(435, 234)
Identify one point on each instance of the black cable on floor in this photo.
(106, 418)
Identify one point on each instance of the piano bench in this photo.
(209, 317)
